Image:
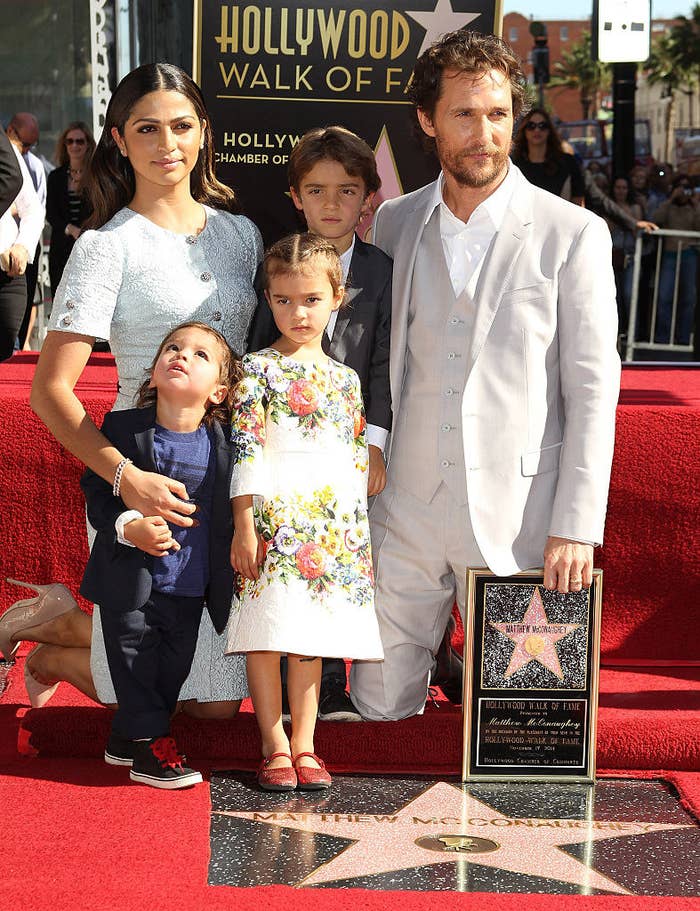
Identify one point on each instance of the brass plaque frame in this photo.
(541, 699)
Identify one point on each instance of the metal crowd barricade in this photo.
(688, 240)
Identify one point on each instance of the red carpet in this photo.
(77, 837)
(81, 841)
(646, 721)
(651, 591)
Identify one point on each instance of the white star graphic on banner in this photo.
(442, 20)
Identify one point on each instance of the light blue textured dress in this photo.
(131, 282)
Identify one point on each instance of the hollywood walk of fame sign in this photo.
(531, 678)
(272, 70)
(618, 837)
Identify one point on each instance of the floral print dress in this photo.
(300, 450)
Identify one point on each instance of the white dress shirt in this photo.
(35, 166)
(466, 243)
(30, 213)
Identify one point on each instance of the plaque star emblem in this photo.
(535, 637)
(442, 20)
(471, 831)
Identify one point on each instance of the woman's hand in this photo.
(247, 552)
(156, 495)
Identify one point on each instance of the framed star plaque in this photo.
(531, 662)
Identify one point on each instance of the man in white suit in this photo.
(504, 373)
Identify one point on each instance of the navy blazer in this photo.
(119, 577)
(362, 331)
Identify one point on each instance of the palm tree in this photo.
(577, 70)
(685, 35)
(668, 67)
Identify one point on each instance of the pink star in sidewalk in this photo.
(472, 831)
(534, 637)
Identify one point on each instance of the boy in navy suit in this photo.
(151, 581)
(332, 179)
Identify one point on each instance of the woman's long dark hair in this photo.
(111, 184)
(554, 149)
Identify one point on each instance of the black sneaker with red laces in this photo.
(158, 763)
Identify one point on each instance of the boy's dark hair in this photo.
(333, 143)
(294, 254)
(230, 373)
(470, 53)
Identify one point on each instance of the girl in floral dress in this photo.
(299, 488)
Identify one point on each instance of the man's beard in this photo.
(468, 173)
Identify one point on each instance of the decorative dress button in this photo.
(445, 463)
(454, 320)
(449, 392)
(216, 315)
(205, 276)
(70, 305)
(191, 239)
(67, 320)
(446, 428)
(451, 356)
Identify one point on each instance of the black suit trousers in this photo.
(149, 652)
(13, 302)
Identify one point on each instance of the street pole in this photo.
(624, 87)
(540, 58)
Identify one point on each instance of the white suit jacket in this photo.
(543, 374)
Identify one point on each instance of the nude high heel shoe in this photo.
(51, 601)
(39, 694)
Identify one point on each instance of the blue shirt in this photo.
(189, 458)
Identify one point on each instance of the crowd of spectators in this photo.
(641, 201)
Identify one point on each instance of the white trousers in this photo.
(421, 555)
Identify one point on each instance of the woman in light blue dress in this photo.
(163, 247)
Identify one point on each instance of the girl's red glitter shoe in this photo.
(309, 778)
(284, 779)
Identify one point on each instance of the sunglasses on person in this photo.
(532, 125)
(26, 146)
(77, 142)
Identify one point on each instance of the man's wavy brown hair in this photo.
(467, 52)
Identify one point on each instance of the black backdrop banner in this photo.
(272, 70)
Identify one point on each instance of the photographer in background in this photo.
(680, 212)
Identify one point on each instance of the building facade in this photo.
(564, 103)
(59, 59)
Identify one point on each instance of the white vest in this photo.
(427, 447)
